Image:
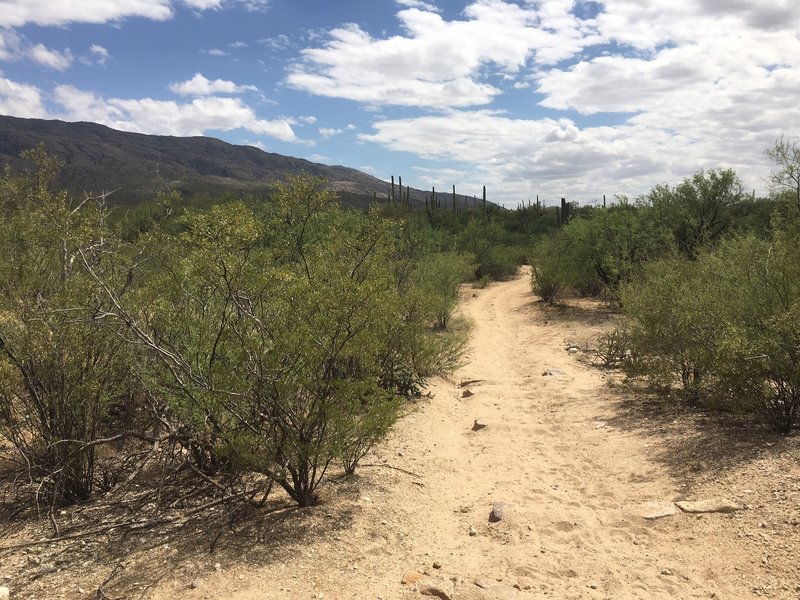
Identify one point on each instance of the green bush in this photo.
(439, 276)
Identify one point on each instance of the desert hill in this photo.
(98, 158)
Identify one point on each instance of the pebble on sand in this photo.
(498, 508)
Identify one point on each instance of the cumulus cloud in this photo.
(439, 63)
(518, 158)
(16, 13)
(163, 117)
(52, 59)
(201, 86)
(21, 100)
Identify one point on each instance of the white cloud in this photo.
(52, 59)
(277, 43)
(517, 158)
(100, 53)
(440, 63)
(10, 45)
(201, 86)
(329, 132)
(418, 4)
(237, 45)
(217, 52)
(203, 4)
(16, 13)
(21, 100)
(162, 117)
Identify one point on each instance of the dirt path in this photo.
(570, 471)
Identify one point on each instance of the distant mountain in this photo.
(100, 159)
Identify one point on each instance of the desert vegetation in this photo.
(706, 277)
(242, 346)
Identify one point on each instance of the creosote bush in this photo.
(272, 340)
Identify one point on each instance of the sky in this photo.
(558, 98)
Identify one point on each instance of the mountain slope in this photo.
(100, 159)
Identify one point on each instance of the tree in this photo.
(786, 156)
(700, 209)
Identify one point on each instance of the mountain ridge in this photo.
(137, 166)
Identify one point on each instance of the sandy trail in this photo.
(554, 451)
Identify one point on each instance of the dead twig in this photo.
(407, 472)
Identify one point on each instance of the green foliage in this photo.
(598, 252)
(548, 270)
(675, 325)
(62, 366)
(438, 276)
(699, 210)
(725, 326)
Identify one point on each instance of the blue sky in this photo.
(556, 98)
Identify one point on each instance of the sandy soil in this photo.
(575, 458)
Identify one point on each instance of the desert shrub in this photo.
(438, 276)
(759, 361)
(611, 247)
(726, 326)
(676, 326)
(548, 270)
(63, 362)
(285, 342)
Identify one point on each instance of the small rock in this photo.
(712, 505)
(196, 583)
(217, 566)
(5, 593)
(497, 512)
(763, 525)
(593, 586)
(573, 350)
(437, 564)
(436, 587)
(656, 510)
(472, 531)
(466, 394)
(478, 425)
(553, 373)
(524, 583)
(410, 577)
(666, 572)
